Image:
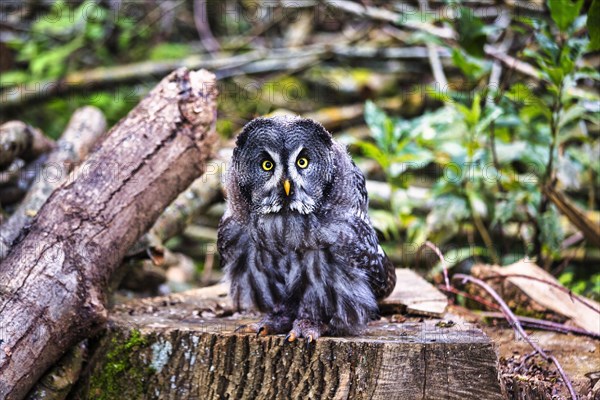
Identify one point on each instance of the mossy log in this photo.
(184, 347)
(55, 277)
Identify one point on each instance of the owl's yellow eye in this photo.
(267, 165)
(302, 162)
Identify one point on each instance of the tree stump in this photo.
(184, 346)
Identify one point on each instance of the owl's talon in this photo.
(309, 329)
(247, 328)
(291, 337)
(262, 331)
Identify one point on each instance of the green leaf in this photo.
(476, 109)
(566, 278)
(550, 230)
(471, 33)
(587, 72)
(10, 78)
(547, 44)
(53, 62)
(470, 66)
(447, 213)
(574, 113)
(493, 113)
(520, 93)
(509, 152)
(555, 75)
(378, 122)
(385, 222)
(477, 203)
(466, 112)
(564, 12)
(504, 211)
(370, 150)
(169, 51)
(593, 25)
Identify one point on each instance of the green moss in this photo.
(121, 375)
(526, 311)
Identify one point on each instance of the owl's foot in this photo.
(269, 325)
(306, 328)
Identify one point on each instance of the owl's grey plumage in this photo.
(295, 240)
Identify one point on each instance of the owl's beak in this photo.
(286, 187)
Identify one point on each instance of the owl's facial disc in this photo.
(284, 165)
(288, 185)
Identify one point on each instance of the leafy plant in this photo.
(495, 150)
(66, 39)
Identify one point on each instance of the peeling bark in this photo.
(52, 293)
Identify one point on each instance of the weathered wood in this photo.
(54, 279)
(16, 181)
(85, 127)
(58, 381)
(17, 139)
(183, 347)
(541, 296)
(414, 295)
(587, 226)
(194, 201)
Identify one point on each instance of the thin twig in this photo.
(203, 27)
(436, 66)
(473, 297)
(512, 63)
(516, 325)
(441, 257)
(381, 14)
(543, 324)
(446, 34)
(224, 65)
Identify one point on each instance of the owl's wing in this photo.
(230, 239)
(367, 253)
(362, 247)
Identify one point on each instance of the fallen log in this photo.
(52, 293)
(85, 127)
(17, 139)
(17, 180)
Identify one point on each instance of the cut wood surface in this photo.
(184, 346)
(414, 295)
(56, 275)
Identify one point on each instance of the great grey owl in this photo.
(295, 241)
